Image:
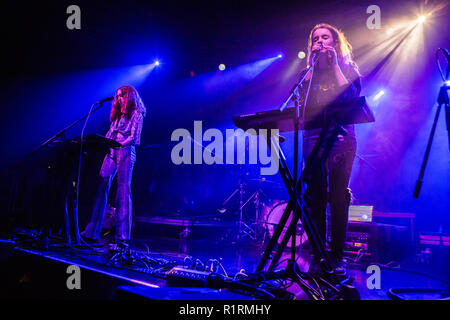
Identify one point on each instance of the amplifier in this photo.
(357, 241)
(360, 239)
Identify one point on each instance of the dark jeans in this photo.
(120, 161)
(329, 183)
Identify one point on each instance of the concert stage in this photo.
(248, 153)
(38, 273)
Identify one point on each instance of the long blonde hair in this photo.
(341, 45)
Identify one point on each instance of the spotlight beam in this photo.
(421, 19)
(377, 68)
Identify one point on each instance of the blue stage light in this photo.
(378, 95)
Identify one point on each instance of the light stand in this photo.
(442, 99)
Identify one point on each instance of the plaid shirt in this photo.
(129, 129)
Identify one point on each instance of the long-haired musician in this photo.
(127, 115)
(335, 78)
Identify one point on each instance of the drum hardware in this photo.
(272, 212)
(252, 231)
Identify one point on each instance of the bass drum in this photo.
(272, 213)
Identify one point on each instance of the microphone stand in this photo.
(294, 90)
(75, 206)
(43, 145)
(60, 133)
(294, 94)
(70, 126)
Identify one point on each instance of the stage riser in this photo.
(148, 230)
(31, 276)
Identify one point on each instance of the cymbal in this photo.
(265, 181)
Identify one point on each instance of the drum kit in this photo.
(260, 209)
(272, 212)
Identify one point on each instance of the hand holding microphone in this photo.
(327, 53)
(316, 49)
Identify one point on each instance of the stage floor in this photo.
(235, 257)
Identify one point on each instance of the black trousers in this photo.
(329, 184)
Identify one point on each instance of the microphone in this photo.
(317, 51)
(105, 100)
